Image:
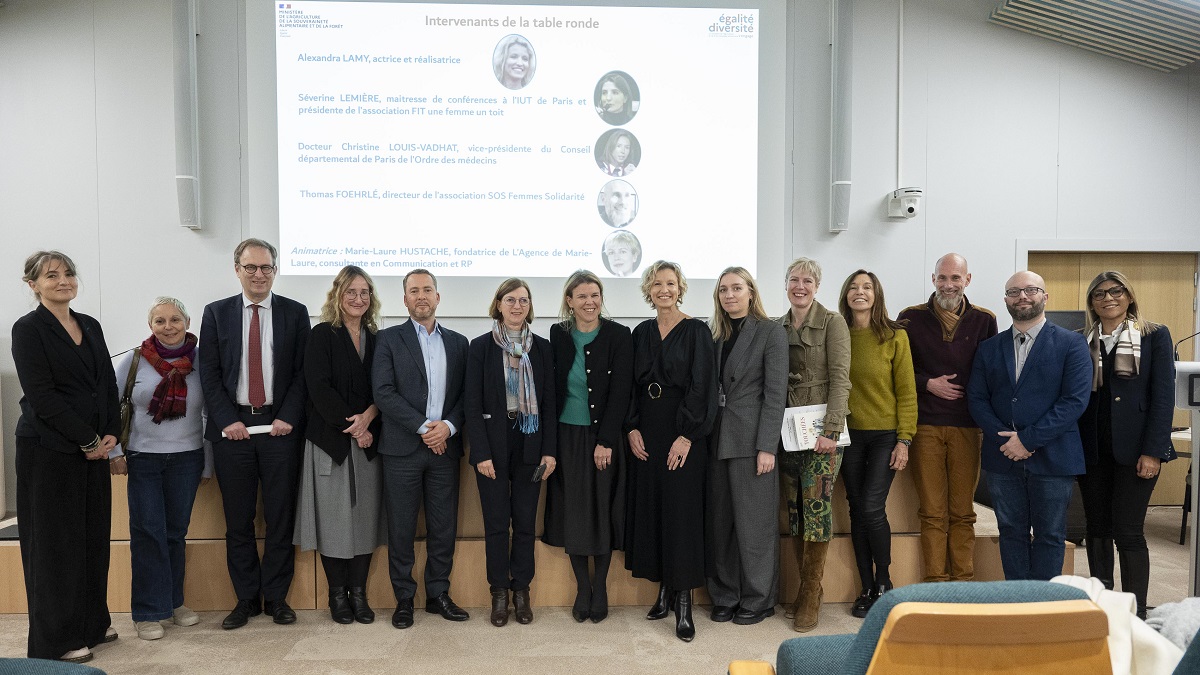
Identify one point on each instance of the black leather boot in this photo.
(339, 605)
(684, 628)
(1135, 577)
(1100, 560)
(358, 605)
(662, 606)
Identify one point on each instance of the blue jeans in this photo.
(1027, 501)
(162, 488)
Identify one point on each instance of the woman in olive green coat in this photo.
(818, 372)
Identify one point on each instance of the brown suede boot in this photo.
(811, 571)
(798, 542)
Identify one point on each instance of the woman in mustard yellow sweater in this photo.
(883, 418)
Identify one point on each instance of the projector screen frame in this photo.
(469, 296)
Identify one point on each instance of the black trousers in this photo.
(273, 461)
(867, 475)
(64, 512)
(510, 499)
(409, 482)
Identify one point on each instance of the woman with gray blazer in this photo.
(743, 492)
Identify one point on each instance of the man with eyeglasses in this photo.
(1028, 387)
(944, 334)
(251, 370)
(419, 375)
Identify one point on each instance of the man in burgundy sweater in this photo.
(944, 334)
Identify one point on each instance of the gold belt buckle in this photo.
(650, 390)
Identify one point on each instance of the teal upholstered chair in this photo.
(851, 654)
(43, 667)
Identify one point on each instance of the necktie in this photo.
(258, 391)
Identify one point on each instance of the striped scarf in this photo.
(518, 375)
(1127, 356)
(170, 396)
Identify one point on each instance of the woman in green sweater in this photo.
(883, 418)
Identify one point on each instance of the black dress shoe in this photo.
(339, 605)
(581, 610)
(499, 615)
(280, 612)
(241, 614)
(745, 617)
(662, 606)
(443, 605)
(403, 616)
(721, 613)
(685, 629)
(358, 605)
(521, 609)
(598, 611)
(862, 604)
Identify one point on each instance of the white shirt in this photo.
(268, 350)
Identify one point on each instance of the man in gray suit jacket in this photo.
(419, 374)
(743, 497)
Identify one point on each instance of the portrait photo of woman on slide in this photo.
(617, 98)
(622, 253)
(514, 62)
(618, 152)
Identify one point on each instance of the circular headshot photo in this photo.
(617, 98)
(617, 203)
(618, 152)
(514, 61)
(622, 253)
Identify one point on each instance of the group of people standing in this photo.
(661, 442)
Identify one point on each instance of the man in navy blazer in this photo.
(419, 375)
(1028, 387)
(252, 373)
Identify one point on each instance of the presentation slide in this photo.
(529, 140)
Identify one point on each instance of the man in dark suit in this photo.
(418, 375)
(251, 370)
(1028, 387)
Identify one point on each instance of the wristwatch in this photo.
(905, 441)
(831, 435)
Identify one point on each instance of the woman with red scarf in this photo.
(166, 458)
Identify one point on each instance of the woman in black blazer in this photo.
(339, 510)
(1126, 430)
(69, 422)
(510, 425)
(585, 501)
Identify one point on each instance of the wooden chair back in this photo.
(929, 638)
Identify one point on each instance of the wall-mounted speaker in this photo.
(187, 118)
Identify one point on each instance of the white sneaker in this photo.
(149, 630)
(185, 617)
(81, 655)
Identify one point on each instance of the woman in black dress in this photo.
(585, 501)
(674, 403)
(512, 431)
(69, 422)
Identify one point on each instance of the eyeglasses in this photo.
(1030, 291)
(351, 294)
(267, 270)
(513, 302)
(1116, 293)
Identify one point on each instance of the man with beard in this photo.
(944, 334)
(419, 375)
(1029, 386)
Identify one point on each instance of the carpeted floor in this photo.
(552, 644)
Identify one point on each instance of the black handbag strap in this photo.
(129, 379)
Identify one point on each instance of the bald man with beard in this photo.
(944, 334)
